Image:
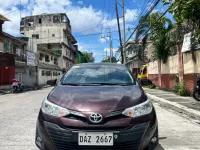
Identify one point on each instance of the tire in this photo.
(196, 95)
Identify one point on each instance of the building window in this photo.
(20, 77)
(64, 18)
(35, 36)
(41, 56)
(55, 61)
(48, 46)
(43, 73)
(55, 73)
(53, 35)
(56, 19)
(46, 58)
(48, 73)
(40, 20)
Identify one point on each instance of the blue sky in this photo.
(87, 17)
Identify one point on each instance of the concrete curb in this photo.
(175, 106)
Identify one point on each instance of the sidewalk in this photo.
(26, 89)
(185, 105)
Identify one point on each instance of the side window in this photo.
(35, 36)
(56, 19)
(40, 20)
(43, 72)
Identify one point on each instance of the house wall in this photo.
(28, 75)
(1, 46)
(42, 80)
(170, 70)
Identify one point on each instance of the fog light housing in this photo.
(154, 140)
(38, 140)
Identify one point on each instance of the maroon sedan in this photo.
(97, 106)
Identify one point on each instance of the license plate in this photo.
(95, 138)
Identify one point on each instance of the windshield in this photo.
(98, 75)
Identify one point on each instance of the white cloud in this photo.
(80, 2)
(9, 3)
(13, 25)
(103, 39)
(81, 18)
(108, 51)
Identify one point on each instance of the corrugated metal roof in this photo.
(49, 66)
(3, 18)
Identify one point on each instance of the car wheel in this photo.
(196, 95)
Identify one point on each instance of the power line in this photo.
(18, 8)
(157, 20)
(151, 9)
(142, 10)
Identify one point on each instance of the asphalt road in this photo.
(19, 112)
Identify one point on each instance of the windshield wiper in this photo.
(120, 84)
(72, 84)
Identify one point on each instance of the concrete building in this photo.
(53, 32)
(49, 65)
(25, 63)
(135, 55)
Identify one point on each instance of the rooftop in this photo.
(3, 18)
(45, 14)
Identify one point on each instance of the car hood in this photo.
(97, 98)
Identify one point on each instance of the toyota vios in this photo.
(97, 107)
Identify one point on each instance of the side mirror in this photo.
(52, 82)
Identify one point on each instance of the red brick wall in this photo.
(154, 79)
(167, 81)
(190, 81)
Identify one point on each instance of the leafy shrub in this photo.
(152, 86)
(181, 89)
(176, 87)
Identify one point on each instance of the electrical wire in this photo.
(18, 8)
(147, 14)
(142, 11)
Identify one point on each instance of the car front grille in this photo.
(75, 146)
(65, 140)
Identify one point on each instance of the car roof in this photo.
(100, 64)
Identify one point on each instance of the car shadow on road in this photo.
(159, 147)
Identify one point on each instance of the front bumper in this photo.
(49, 136)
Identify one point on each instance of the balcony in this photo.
(72, 47)
(20, 60)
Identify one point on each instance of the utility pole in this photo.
(124, 32)
(110, 44)
(119, 31)
(110, 48)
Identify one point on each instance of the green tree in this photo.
(88, 56)
(113, 59)
(186, 10)
(159, 26)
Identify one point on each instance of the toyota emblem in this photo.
(95, 118)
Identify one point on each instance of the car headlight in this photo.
(139, 110)
(53, 109)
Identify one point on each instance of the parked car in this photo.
(97, 106)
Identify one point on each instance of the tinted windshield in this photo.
(98, 75)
